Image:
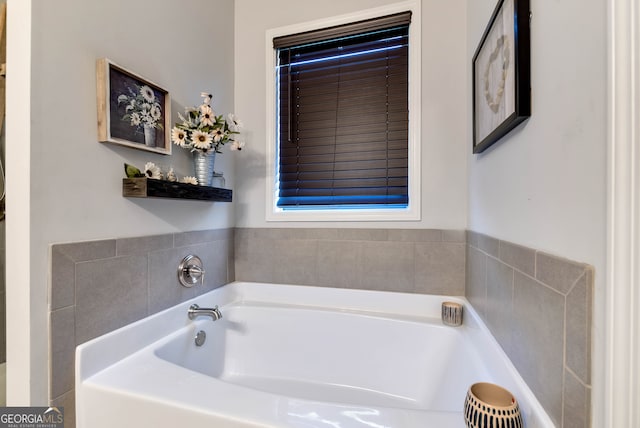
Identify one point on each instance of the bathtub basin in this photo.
(294, 356)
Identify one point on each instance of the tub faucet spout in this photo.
(196, 311)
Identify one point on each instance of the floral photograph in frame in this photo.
(501, 74)
(132, 111)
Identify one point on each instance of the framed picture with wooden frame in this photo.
(502, 74)
(132, 111)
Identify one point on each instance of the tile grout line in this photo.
(577, 378)
(582, 275)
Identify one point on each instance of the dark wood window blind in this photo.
(343, 115)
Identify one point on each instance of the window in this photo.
(342, 131)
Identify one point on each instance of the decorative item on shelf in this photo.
(203, 163)
(154, 172)
(189, 180)
(151, 170)
(489, 405)
(171, 175)
(218, 180)
(132, 172)
(151, 183)
(452, 314)
(204, 133)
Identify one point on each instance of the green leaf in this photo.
(132, 171)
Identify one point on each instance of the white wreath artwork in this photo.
(502, 45)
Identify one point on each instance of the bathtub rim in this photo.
(387, 303)
(100, 353)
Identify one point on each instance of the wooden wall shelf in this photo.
(149, 188)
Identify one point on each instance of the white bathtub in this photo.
(294, 356)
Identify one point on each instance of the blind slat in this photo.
(338, 175)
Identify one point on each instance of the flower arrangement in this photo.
(141, 107)
(202, 130)
(153, 171)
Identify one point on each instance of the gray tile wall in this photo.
(412, 261)
(99, 286)
(539, 308)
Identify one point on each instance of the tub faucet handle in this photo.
(196, 272)
(191, 271)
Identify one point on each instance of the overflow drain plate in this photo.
(201, 336)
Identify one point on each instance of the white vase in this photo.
(203, 163)
(149, 135)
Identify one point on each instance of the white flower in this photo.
(207, 97)
(189, 180)
(237, 145)
(135, 119)
(206, 115)
(201, 140)
(218, 133)
(179, 136)
(155, 112)
(234, 123)
(122, 98)
(145, 116)
(151, 170)
(147, 93)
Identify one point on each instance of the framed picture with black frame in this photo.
(502, 74)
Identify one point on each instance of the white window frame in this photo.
(412, 211)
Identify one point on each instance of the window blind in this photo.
(343, 115)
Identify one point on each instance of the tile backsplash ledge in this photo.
(539, 309)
